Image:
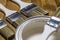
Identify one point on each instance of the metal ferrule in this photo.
(33, 10)
(53, 22)
(2, 24)
(28, 8)
(16, 18)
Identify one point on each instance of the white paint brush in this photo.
(13, 17)
(30, 9)
(51, 26)
(6, 31)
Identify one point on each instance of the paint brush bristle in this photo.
(33, 10)
(5, 30)
(16, 19)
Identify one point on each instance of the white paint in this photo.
(47, 31)
(38, 37)
(35, 37)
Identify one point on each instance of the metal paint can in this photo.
(32, 28)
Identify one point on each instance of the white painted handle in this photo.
(47, 31)
(7, 11)
(21, 3)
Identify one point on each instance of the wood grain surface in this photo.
(3, 2)
(12, 6)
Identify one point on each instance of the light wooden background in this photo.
(48, 5)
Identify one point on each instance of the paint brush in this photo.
(30, 9)
(52, 25)
(5, 27)
(13, 17)
(6, 31)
